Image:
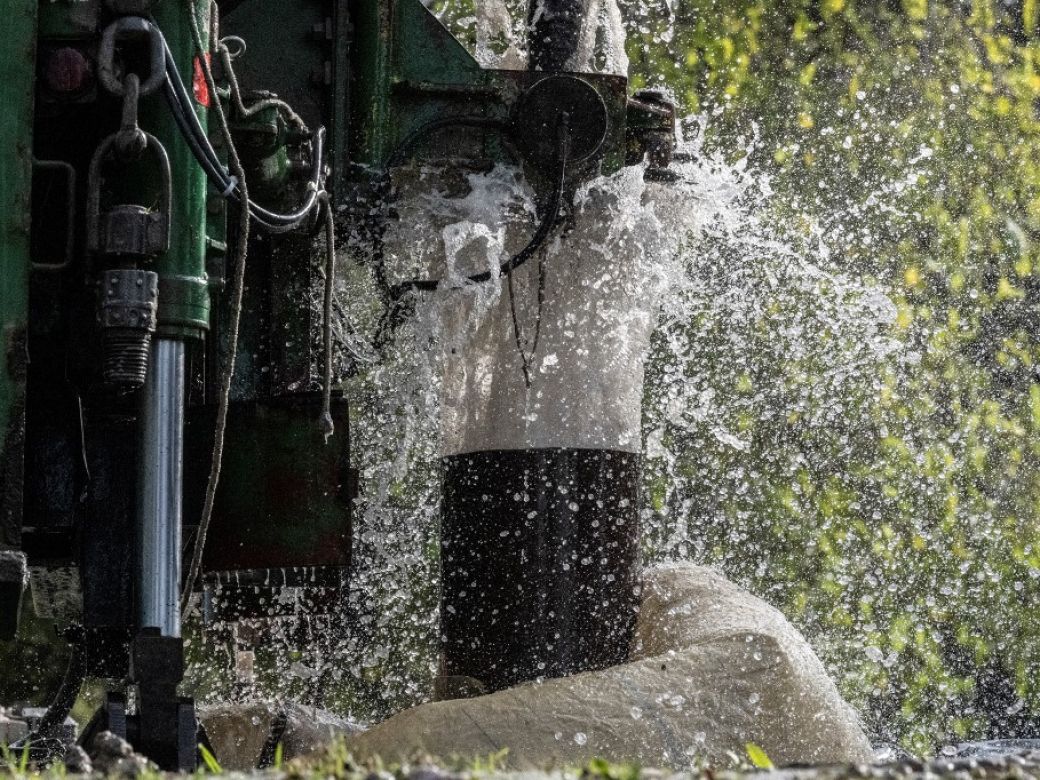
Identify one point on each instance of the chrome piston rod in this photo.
(160, 495)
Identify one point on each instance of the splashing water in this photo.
(771, 357)
(766, 348)
(741, 324)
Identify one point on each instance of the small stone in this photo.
(77, 761)
(113, 755)
(111, 745)
(431, 772)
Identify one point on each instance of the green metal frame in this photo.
(407, 69)
(17, 69)
(184, 303)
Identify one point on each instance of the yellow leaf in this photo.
(1007, 290)
(905, 317)
(758, 756)
(1029, 16)
(916, 9)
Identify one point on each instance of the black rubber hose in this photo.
(397, 155)
(195, 136)
(203, 150)
(553, 32)
(42, 742)
(545, 226)
(274, 738)
(270, 221)
(68, 691)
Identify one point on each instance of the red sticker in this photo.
(198, 82)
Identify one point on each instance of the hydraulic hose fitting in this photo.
(129, 303)
(650, 133)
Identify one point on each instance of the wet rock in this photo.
(11, 729)
(239, 732)
(112, 755)
(77, 761)
(712, 668)
(109, 745)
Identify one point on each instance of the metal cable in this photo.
(527, 358)
(195, 136)
(328, 427)
(393, 294)
(541, 234)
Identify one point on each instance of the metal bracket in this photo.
(129, 229)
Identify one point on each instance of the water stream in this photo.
(769, 347)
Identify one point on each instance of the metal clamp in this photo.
(129, 229)
(70, 213)
(650, 133)
(131, 28)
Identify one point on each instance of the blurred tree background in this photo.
(907, 542)
(891, 508)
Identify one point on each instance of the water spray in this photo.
(175, 453)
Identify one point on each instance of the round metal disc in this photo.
(540, 110)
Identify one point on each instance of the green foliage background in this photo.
(901, 535)
(907, 546)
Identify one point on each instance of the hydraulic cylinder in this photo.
(182, 316)
(160, 514)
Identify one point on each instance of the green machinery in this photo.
(157, 387)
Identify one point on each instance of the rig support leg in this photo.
(164, 727)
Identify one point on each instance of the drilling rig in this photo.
(174, 178)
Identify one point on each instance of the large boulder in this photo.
(238, 732)
(712, 669)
